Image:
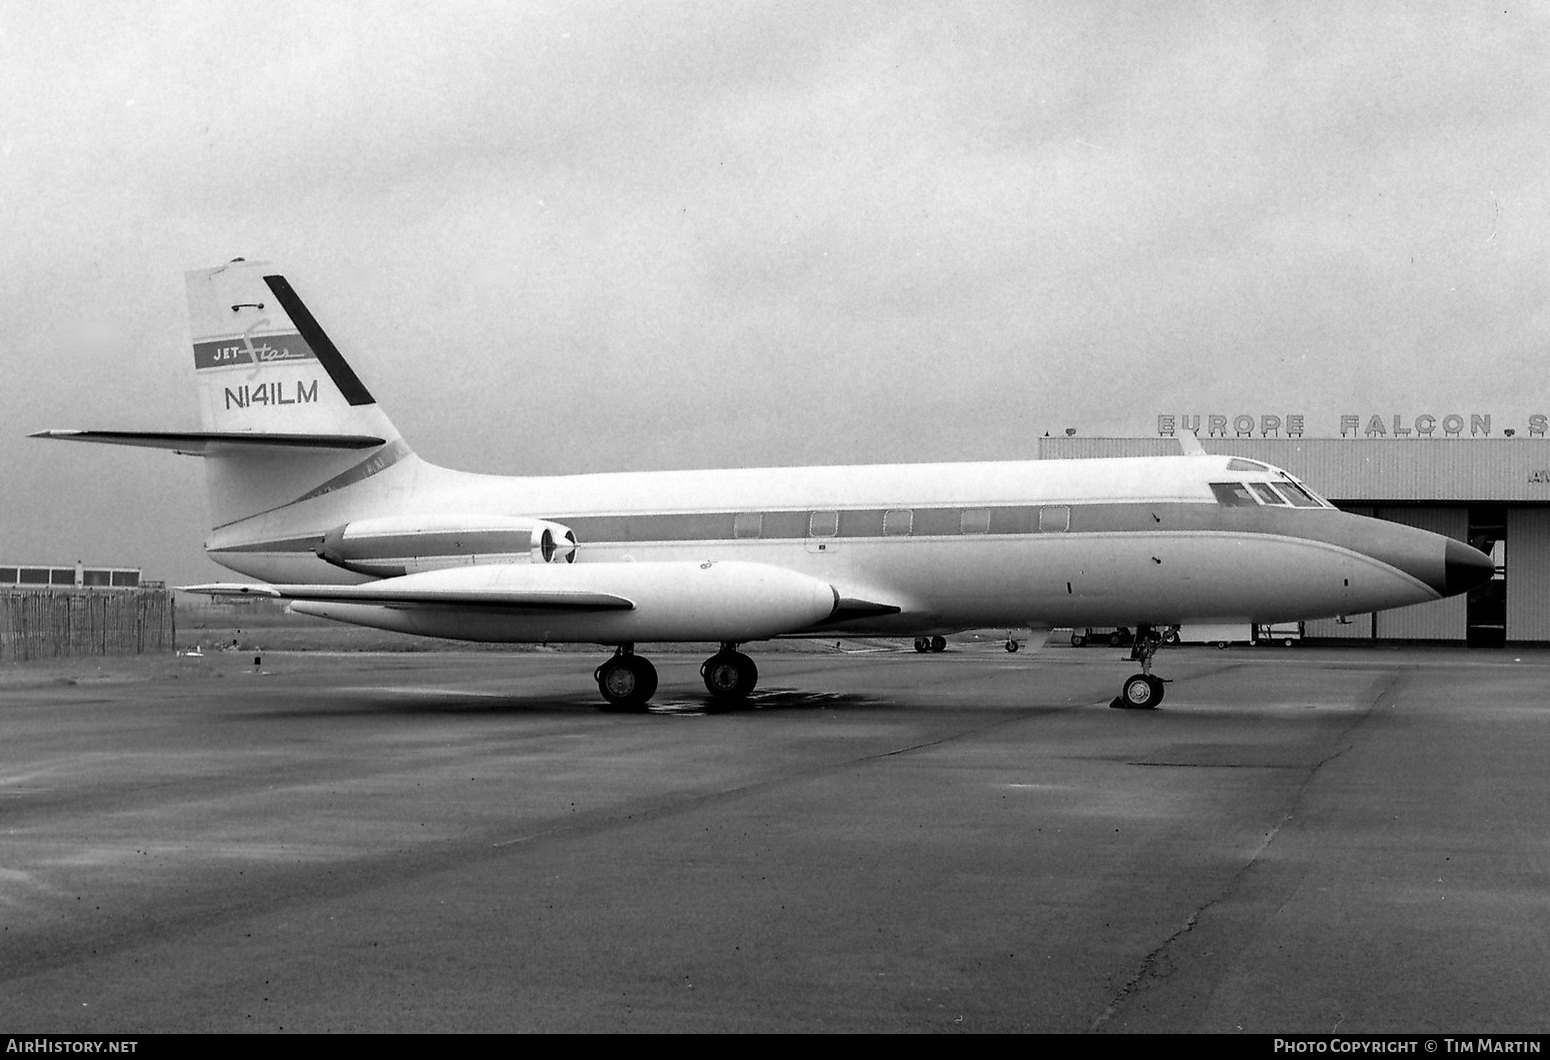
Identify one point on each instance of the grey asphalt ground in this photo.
(1299, 840)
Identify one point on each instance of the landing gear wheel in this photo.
(627, 682)
(922, 644)
(1078, 640)
(1012, 645)
(729, 676)
(1140, 692)
(938, 643)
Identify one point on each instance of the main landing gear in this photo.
(1144, 690)
(628, 681)
(929, 644)
(729, 675)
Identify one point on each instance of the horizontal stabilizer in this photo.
(204, 443)
(493, 598)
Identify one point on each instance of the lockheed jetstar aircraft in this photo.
(312, 490)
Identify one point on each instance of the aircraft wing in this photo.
(607, 602)
(491, 598)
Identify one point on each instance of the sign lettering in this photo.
(1351, 425)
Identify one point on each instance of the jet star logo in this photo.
(266, 353)
(244, 352)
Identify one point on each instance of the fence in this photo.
(43, 624)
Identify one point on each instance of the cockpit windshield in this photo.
(1282, 492)
(1299, 497)
(1262, 484)
(1233, 495)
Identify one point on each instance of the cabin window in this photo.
(1055, 519)
(96, 577)
(60, 576)
(7, 575)
(975, 521)
(34, 576)
(897, 522)
(126, 579)
(863, 522)
(1263, 491)
(824, 524)
(747, 524)
(1233, 495)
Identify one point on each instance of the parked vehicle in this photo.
(1113, 636)
(1284, 633)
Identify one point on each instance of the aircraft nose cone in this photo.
(1463, 568)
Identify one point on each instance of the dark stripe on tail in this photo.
(341, 373)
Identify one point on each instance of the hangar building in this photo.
(1491, 492)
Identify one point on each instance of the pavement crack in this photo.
(1157, 964)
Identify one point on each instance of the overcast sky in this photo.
(588, 236)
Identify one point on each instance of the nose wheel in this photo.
(627, 681)
(1142, 691)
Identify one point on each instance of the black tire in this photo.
(1078, 641)
(627, 682)
(1012, 646)
(922, 644)
(1140, 692)
(1157, 683)
(938, 643)
(729, 676)
(1117, 639)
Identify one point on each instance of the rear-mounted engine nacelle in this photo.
(553, 543)
(395, 545)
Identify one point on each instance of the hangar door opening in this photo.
(1487, 608)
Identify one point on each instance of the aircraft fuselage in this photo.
(952, 546)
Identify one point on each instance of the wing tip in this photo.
(229, 589)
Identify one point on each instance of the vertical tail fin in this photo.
(264, 364)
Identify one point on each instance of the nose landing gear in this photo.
(1142, 691)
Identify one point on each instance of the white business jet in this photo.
(313, 491)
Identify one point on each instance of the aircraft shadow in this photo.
(444, 704)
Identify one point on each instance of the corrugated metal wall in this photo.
(1528, 574)
(1441, 619)
(1359, 628)
(1465, 470)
